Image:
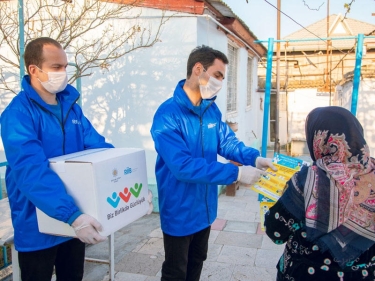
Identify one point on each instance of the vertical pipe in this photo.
(112, 257)
(357, 73)
(277, 115)
(79, 89)
(267, 97)
(21, 35)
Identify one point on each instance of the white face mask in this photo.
(56, 82)
(212, 87)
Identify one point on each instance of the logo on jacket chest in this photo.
(76, 122)
(211, 125)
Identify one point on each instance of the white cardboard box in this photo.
(109, 184)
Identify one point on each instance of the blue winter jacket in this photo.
(31, 134)
(188, 139)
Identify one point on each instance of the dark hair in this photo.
(34, 51)
(206, 56)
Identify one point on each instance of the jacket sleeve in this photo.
(92, 139)
(233, 149)
(29, 167)
(170, 146)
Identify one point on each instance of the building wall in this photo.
(300, 103)
(121, 102)
(365, 107)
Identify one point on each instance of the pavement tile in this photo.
(240, 192)
(267, 257)
(140, 264)
(216, 271)
(218, 224)
(257, 217)
(157, 233)
(231, 205)
(239, 239)
(153, 246)
(251, 273)
(124, 276)
(240, 215)
(214, 251)
(252, 206)
(244, 193)
(153, 278)
(240, 226)
(213, 236)
(221, 213)
(224, 198)
(237, 255)
(250, 192)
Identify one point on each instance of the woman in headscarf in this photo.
(326, 215)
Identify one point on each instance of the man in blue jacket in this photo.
(188, 132)
(41, 122)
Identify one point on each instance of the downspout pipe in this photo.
(78, 82)
(357, 74)
(267, 98)
(21, 34)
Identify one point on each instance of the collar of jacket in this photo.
(182, 99)
(69, 95)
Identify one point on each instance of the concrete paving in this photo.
(238, 248)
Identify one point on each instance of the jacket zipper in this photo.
(206, 199)
(61, 123)
(201, 127)
(64, 121)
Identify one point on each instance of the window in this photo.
(232, 80)
(249, 80)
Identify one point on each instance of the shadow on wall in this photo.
(121, 101)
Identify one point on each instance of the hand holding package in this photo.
(249, 175)
(87, 228)
(264, 163)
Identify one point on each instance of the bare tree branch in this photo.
(316, 9)
(93, 33)
(347, 6)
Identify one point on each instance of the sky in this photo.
(261, 17)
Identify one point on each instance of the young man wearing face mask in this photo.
(188, 132)
(41, 122)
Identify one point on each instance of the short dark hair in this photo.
(206, 56)
(34, 51)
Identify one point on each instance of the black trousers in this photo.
(68, 259)
(184, 256)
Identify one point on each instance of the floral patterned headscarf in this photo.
(339, 195)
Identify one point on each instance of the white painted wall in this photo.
(365, 107)
(121, 102)
(246, 116)
(300, 103)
